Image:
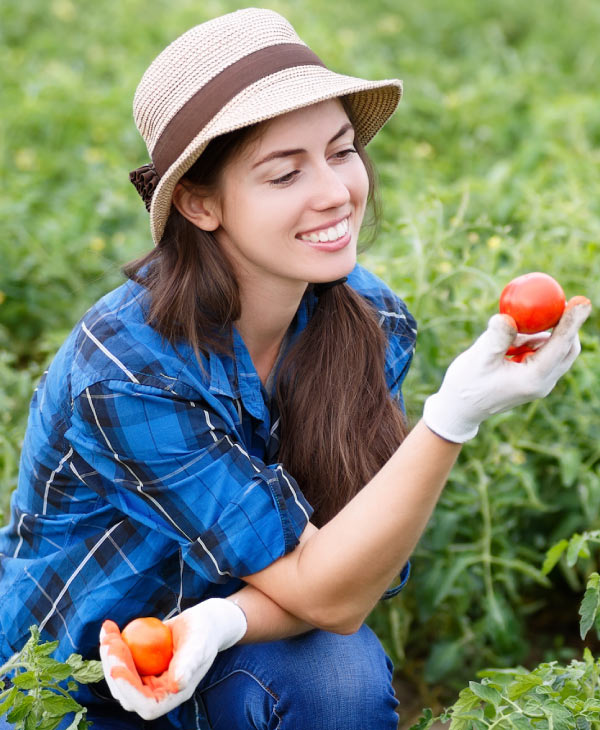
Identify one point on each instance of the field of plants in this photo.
(489, 169)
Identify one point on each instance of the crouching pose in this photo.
(221, 441)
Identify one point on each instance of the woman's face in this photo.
(291, 204)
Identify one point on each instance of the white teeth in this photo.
(328, 235)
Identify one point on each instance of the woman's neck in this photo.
(267, 313)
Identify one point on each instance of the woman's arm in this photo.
(267, 621)
(336, 575)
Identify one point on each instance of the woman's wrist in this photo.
(265, 619)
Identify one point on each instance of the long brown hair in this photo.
(339, 424)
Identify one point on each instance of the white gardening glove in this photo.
(483, 381)
(199, 633)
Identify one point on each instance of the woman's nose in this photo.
(329, 189)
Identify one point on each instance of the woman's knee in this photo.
(342, 682)
(318, 681)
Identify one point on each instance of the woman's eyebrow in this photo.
(288, 153)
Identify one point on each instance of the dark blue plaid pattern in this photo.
(147, 482)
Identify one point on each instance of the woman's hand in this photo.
(482, 381)
(199, 633)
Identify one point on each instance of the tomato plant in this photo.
(535, 301)
(151, 644)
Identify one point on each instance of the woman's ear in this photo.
(199, 210)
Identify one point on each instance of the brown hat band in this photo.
(195, 114)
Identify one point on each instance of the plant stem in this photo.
(486, 540)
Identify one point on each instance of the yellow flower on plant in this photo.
(63, 9)
(97, 243)
(25, 159)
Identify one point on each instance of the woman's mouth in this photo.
(331, 238)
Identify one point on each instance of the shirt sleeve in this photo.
(401, 329)
(174, 464)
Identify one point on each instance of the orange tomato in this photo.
(535, 301)
(151, 644)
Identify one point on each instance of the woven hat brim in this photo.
(372, 102)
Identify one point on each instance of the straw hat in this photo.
(227, 73)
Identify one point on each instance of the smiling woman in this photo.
(220, 442)
(275, 212)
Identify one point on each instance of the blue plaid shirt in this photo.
(148, 483)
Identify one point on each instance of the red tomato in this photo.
(535, 301)
(518, 354)
(150, 643)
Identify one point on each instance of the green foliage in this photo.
(16, 388)
(488, 170)
(551, 697)
(571, 551)
(39, 693)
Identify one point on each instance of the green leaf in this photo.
(85, 671)
(7, 702)
(459, 723)
(46, 649)
(589, 604)
(25, 680)
(22, 710)
(561, 715)
(553, 556)
(569, 464)
(33, 719)
(89, 671)
(443, 659)
(582, 723)
(467, 699)
(519, 722)
(52, 669)
(523, 684)
(425, 721)
(533, 708)
(560, 681)
(592, 704)
(574, 703)
(56, 705)
(49, 723)
(486, 693)
(577, 549)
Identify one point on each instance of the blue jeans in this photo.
(317, 681)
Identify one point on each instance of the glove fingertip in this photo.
(504, 323)
(577, 301)
(510, 322)
(108, 627)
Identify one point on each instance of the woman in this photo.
(221, 441)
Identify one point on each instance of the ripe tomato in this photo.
(535, 301)
(151, 644)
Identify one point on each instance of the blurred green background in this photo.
(488, 170)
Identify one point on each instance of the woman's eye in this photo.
(284, 179)
(343, 154)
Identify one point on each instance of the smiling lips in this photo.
(333, 234)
